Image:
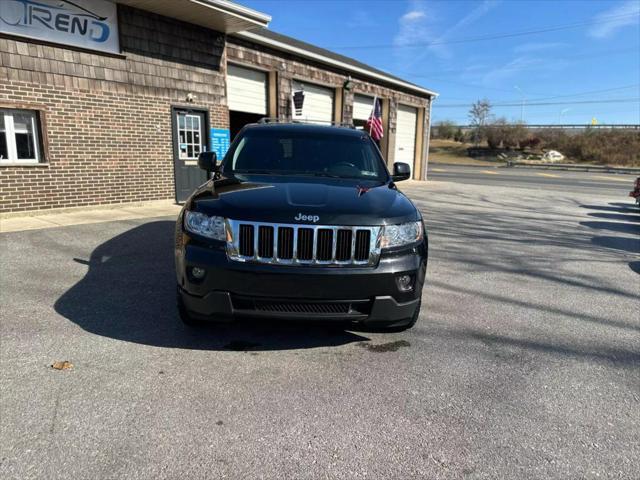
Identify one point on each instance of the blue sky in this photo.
(588, 50)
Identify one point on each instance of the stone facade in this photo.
(289, 68)
(107, 119)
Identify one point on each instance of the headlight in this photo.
(201, 224)
(399, 235)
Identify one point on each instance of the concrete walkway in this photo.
(35, 220)
(93, 214)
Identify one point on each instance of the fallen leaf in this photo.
(65, 365)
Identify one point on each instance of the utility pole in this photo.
(522, 105)
(562, 112)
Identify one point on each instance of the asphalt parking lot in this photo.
(525, 362)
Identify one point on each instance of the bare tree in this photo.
(479, 115)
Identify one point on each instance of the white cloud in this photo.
(622, 15)
(418, 33)
(414, 27)
(412, 16)
(473, 16)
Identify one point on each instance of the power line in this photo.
(480, 38)
(589, 92)
(602, 53)
(483, 87)
(626, 87)
(535, 104)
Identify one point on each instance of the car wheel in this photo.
(186, 318)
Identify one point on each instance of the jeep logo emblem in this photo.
(307, 218)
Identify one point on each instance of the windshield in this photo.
(281, 152)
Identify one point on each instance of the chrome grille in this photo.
(291, 244)
(361, 250)
(265, 241)
(247, 243)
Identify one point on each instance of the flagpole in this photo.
(373, 112)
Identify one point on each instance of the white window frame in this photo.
(10, 134)
(192, 129)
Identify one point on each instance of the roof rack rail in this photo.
(266, 120)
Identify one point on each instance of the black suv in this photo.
(301, 222)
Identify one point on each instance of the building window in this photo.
(19, 141)
(189, 129)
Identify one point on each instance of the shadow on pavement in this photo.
(542, 306)
(616, 216)
(613, 226)
(616, 207)
(625, 205)
(624, 244)
(627, 216)
(129, 294)
(635, 266)
(502, 347)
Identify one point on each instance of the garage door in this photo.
(406, 135)
(246, 90)
(362, 106)
(318, 102)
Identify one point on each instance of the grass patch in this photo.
(450, 151)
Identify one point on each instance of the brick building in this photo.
(108, 102)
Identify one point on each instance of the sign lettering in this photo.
(91, 24)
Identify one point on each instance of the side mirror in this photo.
(208, 161)
(401, 171)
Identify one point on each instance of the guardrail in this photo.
(575, 167)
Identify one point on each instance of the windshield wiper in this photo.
(257, 171)
(323, 174)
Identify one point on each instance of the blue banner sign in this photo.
(220, 141)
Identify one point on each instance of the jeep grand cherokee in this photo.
(301, 222)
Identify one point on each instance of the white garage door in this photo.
(362, 106)
(406, 135)
(246, 90)
(318, 102)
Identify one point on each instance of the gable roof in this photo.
(298, 47)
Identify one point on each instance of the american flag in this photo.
(374, 123)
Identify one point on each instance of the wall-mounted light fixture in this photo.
(348, 84)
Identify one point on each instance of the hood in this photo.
(304, 200)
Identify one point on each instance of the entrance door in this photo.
(407, 119)
(189, 139)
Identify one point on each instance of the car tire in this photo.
(186, 318)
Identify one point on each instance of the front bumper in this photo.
(222, 306)
(368, 295)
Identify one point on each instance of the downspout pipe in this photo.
(428, 142)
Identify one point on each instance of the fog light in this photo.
(198, 273)
(405, 283)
